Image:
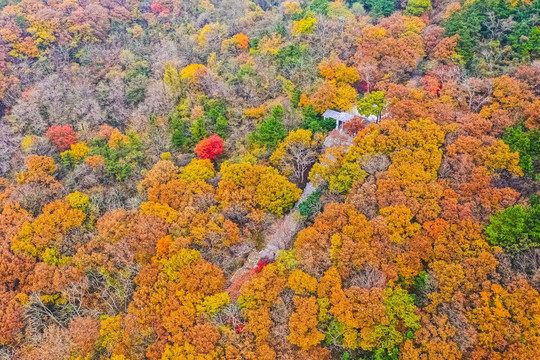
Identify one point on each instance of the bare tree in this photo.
(116, 292)
(476, 92)
(295, 157)
(368, 73)
(230, 315)
(8, 146)
(497, 27)
(282, 233)
(38, 313)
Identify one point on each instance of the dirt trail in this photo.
(282, 233)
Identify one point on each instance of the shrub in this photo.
(311, 206)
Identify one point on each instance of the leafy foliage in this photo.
(128, 232)
(372, 104)
(515, 228)
(209, 148)
(61, 136)
(271, 130)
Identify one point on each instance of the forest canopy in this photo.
(172, 185)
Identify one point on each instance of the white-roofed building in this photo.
(341, 117)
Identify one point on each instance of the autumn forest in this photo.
(268, 179)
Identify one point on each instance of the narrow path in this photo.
(282, 233)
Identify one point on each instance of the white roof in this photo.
(370, 118)
(338, 115)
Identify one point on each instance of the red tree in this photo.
(62, 136)
(209, 148)
(353, 126)
(158, 8)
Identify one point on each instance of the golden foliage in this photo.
(78, 151)
(191, 72)
(304, 26)
(256, 186)
(302, 283)
(399, 223)
(117, 139)
(303, 323)
(198, 170)
(256, 113)
(48, 229)
(78, 200)
(162, 211)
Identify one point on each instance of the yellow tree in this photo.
(303, 323)
(45, 237)
(256, 186)
(336, 91)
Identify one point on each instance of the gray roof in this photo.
(338, 115)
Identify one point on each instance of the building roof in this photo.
(338, 115)
(370, 118)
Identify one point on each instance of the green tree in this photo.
(136, 82)
(271, 130)
(136, 89)
(295, 98)
(178, 138)
(178, 127)
(380, 8)
(319, 6)
(472, 25)
(214, 109)
(508, 229)
(467, 23)
(527, 143)
(533, 224)
(518, 141)
(372, 104)
(289, 57)
(311, 206)
(221, 126)
(417, 7)
(120, 160)
(400, 312)
(314, 122)
(198, 131)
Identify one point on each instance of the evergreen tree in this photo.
(314, 122)
(295, 98)
(311, 206)
(319, 6)
(271, 130)
(214, 109)
(380, 8)
(198, 131)
(221, 126)
(178, 126)
(467, 23)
